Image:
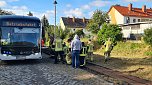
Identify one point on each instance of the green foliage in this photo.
(44, 21)
(59, 32)
(3, 12)
(148, 36)
(71, 35)
(98, 18)
(148, 53)
(45, 24)
(93, 27)
(79, 32)
(109, 30)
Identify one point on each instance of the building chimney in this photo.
(130, 7)
(83, 19)
(73, 19)
(144, 8)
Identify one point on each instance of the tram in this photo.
(20, 37)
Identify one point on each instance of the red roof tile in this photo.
(136, 12)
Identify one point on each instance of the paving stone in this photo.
(44, 72)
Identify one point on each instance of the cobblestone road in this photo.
(44, 72)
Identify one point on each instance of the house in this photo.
(73, 23)
(123, 15)
(133, 21)
(135, 30)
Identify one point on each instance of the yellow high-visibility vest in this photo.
(84, 51)
(90, 49)
(58, 45)
(108, 45)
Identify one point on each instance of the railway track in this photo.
(110, 75)
(116, 77)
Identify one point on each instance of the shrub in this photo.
(109, 30)
(79, 32)
(148, 36)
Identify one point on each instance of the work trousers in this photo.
(107, 55)
(57, 54)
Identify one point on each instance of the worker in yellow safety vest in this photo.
(58, 50)
(108, 48)
(68, 57)
(90, 50)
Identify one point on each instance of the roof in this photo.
(136, 12)
(68, 22)
(18, 17)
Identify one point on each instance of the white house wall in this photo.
(127, 31)
(145, 26)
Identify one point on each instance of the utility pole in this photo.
(55, 3)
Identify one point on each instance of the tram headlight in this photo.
(36, 53)
(4, 54)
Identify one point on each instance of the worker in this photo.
(42, 41)
(76, 46)
(69, 56)
(83, 54)
(58, 50)
(90, 50)
(108, 49)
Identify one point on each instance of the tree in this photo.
(148, 36)
(93, 27)
(79, 32)
(45, 24)
(30, 14)
(99, 17)
(109, 30)
(3, 12)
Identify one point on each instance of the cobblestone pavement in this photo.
(44, 72)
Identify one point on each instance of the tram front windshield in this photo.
(19, 37)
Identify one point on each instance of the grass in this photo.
(130, 58)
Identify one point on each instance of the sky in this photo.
(65, 8)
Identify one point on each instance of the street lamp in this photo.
(55, 2)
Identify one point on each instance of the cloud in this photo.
(68, 5)
(131, 0)
(47, 13)
(86, 7)
(23, 10)
(19, 7)
(77, 12)
(99, 3)
(12, 0)
(137, 0)
(18, 10)
(2, 3)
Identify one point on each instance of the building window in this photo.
(128, 20)
(134, 20)
(138, 20)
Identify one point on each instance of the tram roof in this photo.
(18, 17)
